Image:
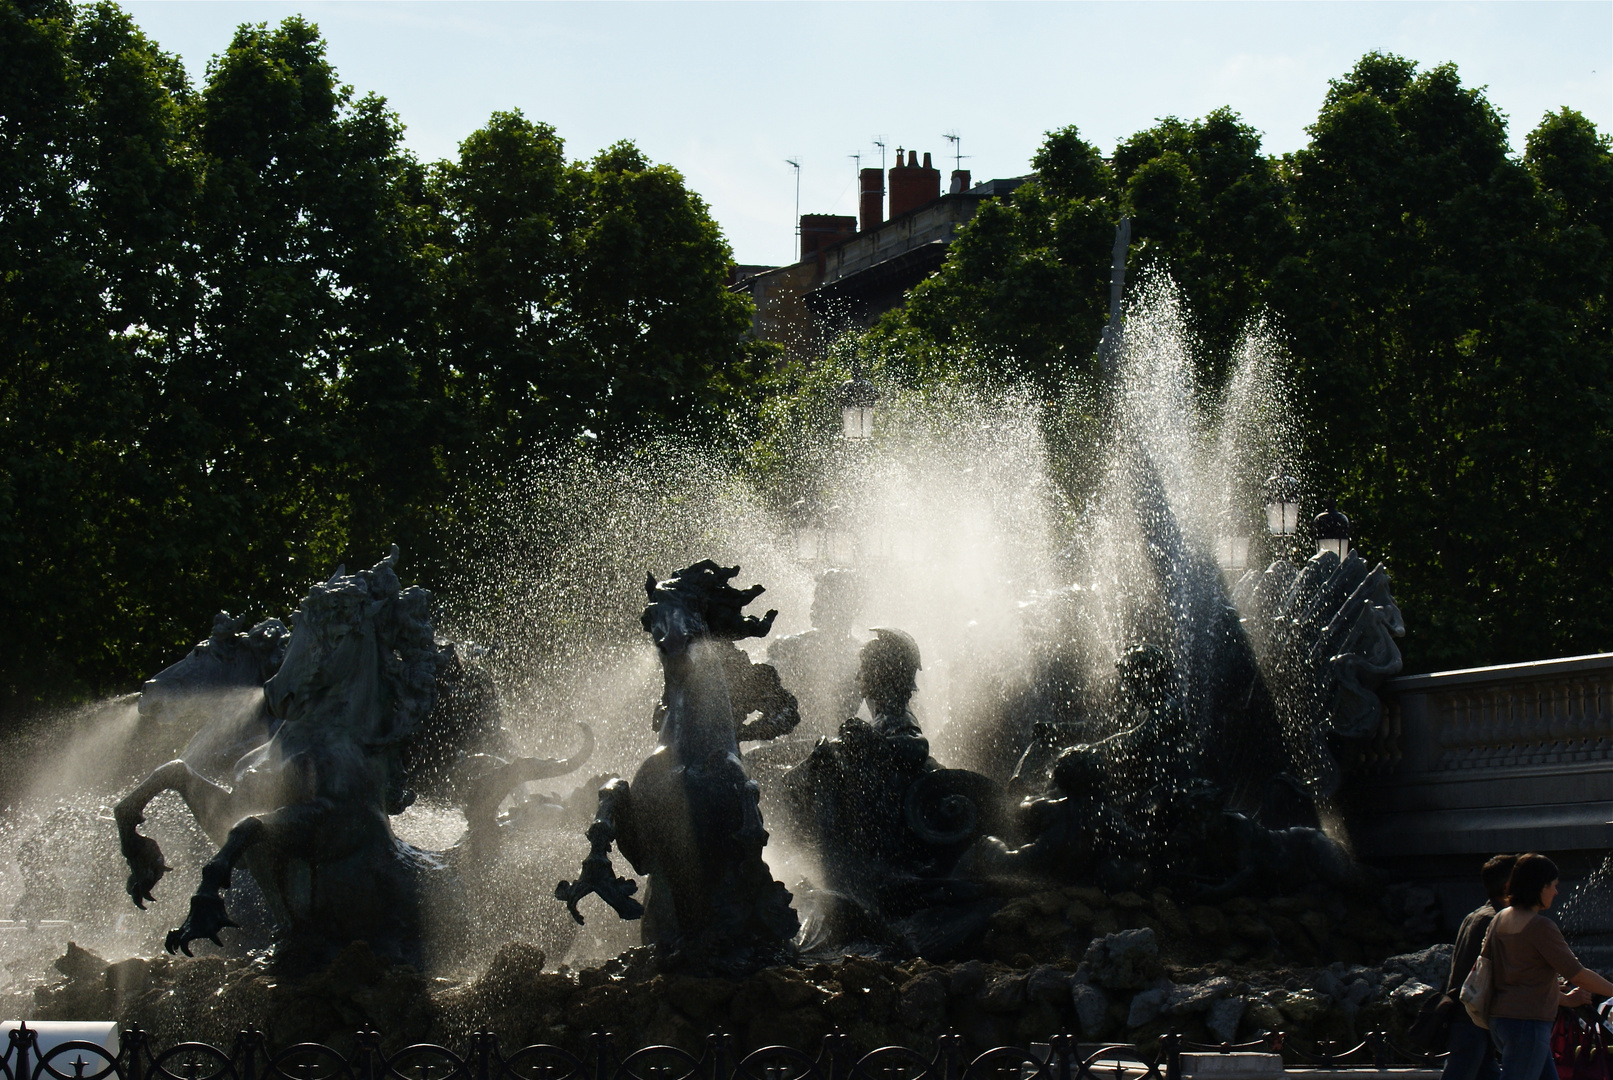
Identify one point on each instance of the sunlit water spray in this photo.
(1020, 598)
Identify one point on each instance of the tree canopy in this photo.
(1445, 303)
(246, 334)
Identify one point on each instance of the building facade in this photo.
(853, 270)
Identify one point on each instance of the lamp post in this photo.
(1282, 507)
(1333, 531)
(809, 531)
(857, 400)
(1232, 549)
(823, 537)
(840, 546)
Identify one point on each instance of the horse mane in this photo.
(403, 634)
(704, 587)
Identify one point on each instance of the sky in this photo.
(727, 92)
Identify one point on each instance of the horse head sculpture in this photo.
(308, 809)
(215, 690)
(691, 821)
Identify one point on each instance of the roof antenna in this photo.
(957, 149)
(795, 163)
(879, 141)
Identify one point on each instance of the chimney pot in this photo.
(926, 159)
(819, 231)
(912, 185)
(871, 203)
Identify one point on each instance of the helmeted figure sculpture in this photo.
(887, 821)
(690, 820)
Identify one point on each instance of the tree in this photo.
(92, 286)
(1208, 206)
(1459, 379)
(585, 300)
(210, 305)
(1024, 290)
(247, 336)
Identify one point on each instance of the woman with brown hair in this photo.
(1530, 956)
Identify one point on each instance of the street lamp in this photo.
(840, 546)
(1282, 504)
(1333, 531)
(809, 530)
(1232, 551)
(857, 400)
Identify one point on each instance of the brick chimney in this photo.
(871, 204)
(913, 185)
(960, 182)
(819, 231)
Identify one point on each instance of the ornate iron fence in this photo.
(1062, 1058)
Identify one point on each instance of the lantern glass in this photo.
(808, 543)
(1232, 552)
(857, 422)
(1339, 546)
(1282, 517)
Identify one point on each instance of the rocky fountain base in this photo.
(1122, 968)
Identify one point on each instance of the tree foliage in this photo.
(247, 336)
(1450, 319)
(244, 335)
(1445, 302)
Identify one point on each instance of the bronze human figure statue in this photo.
(690, 820)
(887, 821)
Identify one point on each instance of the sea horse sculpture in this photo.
(690, 820)
(308, 810)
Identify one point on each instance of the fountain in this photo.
(1133, 742)
(354, 687)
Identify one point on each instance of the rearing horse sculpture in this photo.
(309, 808)
(691, 819)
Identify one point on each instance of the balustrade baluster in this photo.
(1596, 717)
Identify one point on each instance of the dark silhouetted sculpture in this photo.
(819, 665)
(308, 809)
(887, 821)
(690, 821)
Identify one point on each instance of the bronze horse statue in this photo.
(691, 820)
(309, 808)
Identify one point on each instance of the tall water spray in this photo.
(1020, 596)
(1182, 468)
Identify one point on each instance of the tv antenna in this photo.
(879, 141)
(857, 161)
(795, 163)
(958, 155)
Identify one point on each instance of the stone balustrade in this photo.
(1517, 757)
